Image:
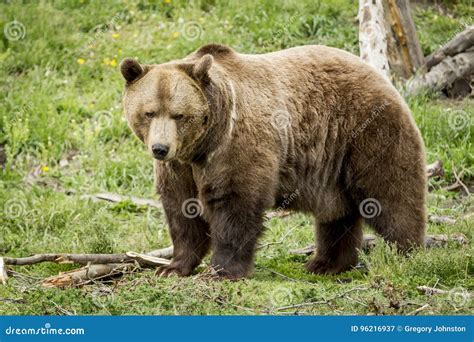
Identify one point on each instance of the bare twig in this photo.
(430, 291)
(458, 180)
(326, 301)
(415, 312)
(279, 242)
(119, 198)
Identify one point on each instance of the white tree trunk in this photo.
(373, 35)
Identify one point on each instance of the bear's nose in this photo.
(160, 151)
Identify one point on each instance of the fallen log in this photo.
(444, 74)
(460, 43)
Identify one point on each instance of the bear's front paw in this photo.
(324, 266)
(174, 268)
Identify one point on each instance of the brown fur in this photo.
(348, 137)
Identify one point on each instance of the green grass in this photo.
(62, 129)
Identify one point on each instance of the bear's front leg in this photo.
(235, 229)
(189, 232)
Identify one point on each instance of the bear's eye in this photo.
(177, 116)
(150, 114)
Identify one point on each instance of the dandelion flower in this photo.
(45, 168)
(80, 61)
(115, 35)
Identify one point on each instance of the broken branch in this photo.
(84, 259)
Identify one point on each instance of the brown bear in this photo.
(312, 128)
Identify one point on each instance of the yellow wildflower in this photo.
(113, 62)
(115, 35)
(45, 168)
(175, 34)
(81, 61)
(167, 1)
(106, 61)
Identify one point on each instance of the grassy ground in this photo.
(62, 130)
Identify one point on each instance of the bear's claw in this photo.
(172, 269)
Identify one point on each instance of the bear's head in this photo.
(167, 106)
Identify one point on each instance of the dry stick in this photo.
(431, 290)
(84, 259)
(86, 274)
(415, 312)
(119, 198)
(458, 180)
(441, 219)
(99, 266)
(300, 305)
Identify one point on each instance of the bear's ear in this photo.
(199, 70)
(131, 69)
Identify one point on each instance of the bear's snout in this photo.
(160, 151)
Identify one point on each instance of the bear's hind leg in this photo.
(337, 245)
(401, 222)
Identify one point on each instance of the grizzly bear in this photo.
(312, 129)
